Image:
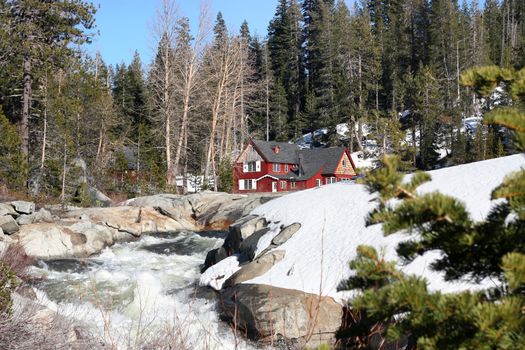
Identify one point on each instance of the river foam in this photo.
(140, 294)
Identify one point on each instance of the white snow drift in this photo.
(333, 225)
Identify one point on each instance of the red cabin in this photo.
(280, 167)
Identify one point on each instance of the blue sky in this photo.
(124, 25)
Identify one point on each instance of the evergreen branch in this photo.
(508, 117)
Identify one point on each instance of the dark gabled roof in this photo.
(287, 151)
(328, 158)
(315, 159)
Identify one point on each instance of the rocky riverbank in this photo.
(53, 232)
(266, 313)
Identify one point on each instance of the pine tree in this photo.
(13, 168)
(286, 60)
(319, 56)
(39, 33)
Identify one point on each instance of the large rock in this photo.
(242, 229)
(246, 226)
(43, 215)
(213, 257)
(174, 206)
(7, 209)
(269, 313)
(286, 233)
(4, 239)
(47, 241)
(8, 224)
(204, 210)
(249, 245)
(24, 207)
(99, 198)
(133, 220)
(25, 219)
(255, 268)
(67, 239)
(282, 237)
(220, 211)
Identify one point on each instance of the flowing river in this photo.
(140, 293)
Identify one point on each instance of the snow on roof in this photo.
(333, 225)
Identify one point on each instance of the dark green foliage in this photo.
(225, 175)
(13, 167)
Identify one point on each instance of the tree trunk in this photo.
(44, 133)
(167, 118)
(214, 119)
(26, 106)
(184, 121)
(267, 98)
(64, 168)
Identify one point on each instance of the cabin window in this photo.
(318, 182)
(283, 185)
(331, 180)
(249, 185)
(344, 163)
(292, 184)
(276, 168)
(286, 168)
(251, 167)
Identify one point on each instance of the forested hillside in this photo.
(388, 67)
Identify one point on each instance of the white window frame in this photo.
(282, 184)
(344, 162)
(251, 167)
(276, 167)
(293, 184)
(318, 182)
(248, 184)
(286, 168)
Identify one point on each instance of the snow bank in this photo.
(333, 225)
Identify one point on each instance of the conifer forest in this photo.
(125, 222)
(389, 69)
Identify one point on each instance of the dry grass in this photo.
(26, 325)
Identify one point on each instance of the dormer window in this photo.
(276, 149)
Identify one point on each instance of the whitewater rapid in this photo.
(136, 294)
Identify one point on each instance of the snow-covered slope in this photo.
(333, 225)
